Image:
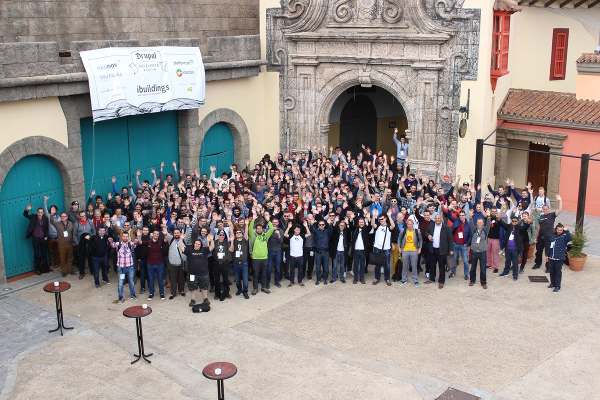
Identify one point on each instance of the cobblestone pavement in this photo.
(25, 325)
(591, 226)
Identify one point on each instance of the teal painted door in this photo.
(119, 147)
(217, 150)
(28, 181)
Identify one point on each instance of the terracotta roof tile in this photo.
(589, 58)
(550, 107)
(507, 5)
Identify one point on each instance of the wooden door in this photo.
(537, 169)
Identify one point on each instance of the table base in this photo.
(59, 315)
(140, 336)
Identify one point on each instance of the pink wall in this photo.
(577, 143)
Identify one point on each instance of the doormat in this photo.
(542, 279)
(455, 394)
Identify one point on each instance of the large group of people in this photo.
(300, 218)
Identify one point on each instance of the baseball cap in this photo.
(466, 184)
(75, 202)
(446, 176)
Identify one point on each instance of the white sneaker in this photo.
(351, 273)
(501, 252)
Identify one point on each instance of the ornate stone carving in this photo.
(303, 15)
(392, 11)
(342, 11)
(322, 50)
(363, 12)
(364, 76)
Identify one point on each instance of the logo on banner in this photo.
(180, 73)
(147, 61)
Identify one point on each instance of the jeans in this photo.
(543, 245)
(274, 258)
(360, 258)
(100, 263)
(464, 253)
(322, 261)
(386, 269)
(143, 273)
(308, 259)
(425, 252)
(158, 272)
(240, 269)
(555, 267)
(126, 273)
(296, 262)
(338, 261)
(410, 257)
(512, 257)
(259, 266)
(481, 257)
(39, 251)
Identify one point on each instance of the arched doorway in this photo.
(217, 150)
(366, 116)
(27, 182)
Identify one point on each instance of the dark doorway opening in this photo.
(358, 125)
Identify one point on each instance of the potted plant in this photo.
(576, 256)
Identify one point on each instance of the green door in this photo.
(217, 150)
(119, 147)
(28, 181)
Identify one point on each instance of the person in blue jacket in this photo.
(556, 255)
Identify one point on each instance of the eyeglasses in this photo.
(321, 224)
(238, 232)
(382, 219)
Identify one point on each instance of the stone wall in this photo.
(142, 20)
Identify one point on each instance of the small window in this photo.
(558, 61)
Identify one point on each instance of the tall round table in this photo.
(228, 370)
(138, 312)
(57, 290)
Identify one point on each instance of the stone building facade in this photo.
(418, 50)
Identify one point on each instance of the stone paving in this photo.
(25, 325)
(515, 340)
(591, 227)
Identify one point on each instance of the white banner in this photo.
(140, 80)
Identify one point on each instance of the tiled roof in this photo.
(550, 107)
(507, 5)
(589, 58)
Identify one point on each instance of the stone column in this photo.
(554, 173)
(501, 159)
(189, 139)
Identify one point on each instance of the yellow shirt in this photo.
(409, 244)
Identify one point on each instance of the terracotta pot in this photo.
(576, 264)
(531, 251)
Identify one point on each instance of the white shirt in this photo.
(296, 243)
(340, 246)
(359, 245)
(436, 235)
(380, 234)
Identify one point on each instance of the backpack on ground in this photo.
(202, 307)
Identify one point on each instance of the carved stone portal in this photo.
(418, 50)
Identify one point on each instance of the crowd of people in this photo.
(300, 217)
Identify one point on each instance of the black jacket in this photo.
(366, 237)
(98, 247)
(520, 230)
(33, 220)
(446, 241)
(333, 240)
